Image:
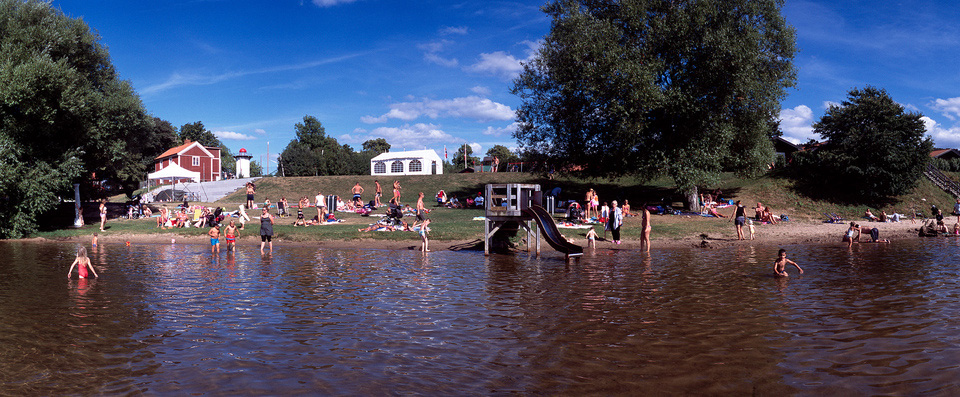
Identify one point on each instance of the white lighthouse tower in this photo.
(243, 163)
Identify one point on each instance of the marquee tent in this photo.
(174, 172)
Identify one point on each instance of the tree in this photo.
(315, 153)
(255, 169)
(64, 113)
(874, 149)
(376, 146)
(505, 155)
(457, 159)
(196, 132)
(650, 88)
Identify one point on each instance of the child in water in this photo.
(214, 234)
(780, 266)
(423, 235)
(592, 238)
(84, 263)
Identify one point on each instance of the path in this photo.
(209, 192)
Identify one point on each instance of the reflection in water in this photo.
(178, 319)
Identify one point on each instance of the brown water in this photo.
(174, 319)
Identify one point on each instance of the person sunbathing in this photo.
(713, 211)
(870, 216)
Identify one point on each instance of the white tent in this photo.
(415, 162)
(174, 172)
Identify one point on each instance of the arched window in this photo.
(416, 166)
(396, 167)
(379, 168)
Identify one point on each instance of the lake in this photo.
(175, 319)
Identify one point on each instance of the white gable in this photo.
(414, 162)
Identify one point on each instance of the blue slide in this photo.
(551, 233)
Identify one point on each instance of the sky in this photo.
(435, 74)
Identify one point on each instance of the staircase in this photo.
(942, 181)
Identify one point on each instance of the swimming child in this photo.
(592, 238)
(779, 267)
(214, 234)
(231, 233)
(84, 263)
(423, 235)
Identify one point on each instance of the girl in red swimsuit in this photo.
(84, 263)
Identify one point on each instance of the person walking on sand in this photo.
(739, 219)
(84, 263)
(266, 230)
(780, 266)
(103, 213)
(645, 225)
(616, 220)
(214, 234)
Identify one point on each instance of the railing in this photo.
(942, 181)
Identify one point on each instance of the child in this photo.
(779, 267)
(751, 228)
(231, 233)
(84, 263)
(93, 242)
(423, 235)
(214, 234)
(592, 238)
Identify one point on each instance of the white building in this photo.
(416, 162)
(243, 163)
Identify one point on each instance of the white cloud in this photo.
(942, 137)
(233, 135)
(503, 64)
(828, 104)
(474, 107)
(480, 90)
(260, 131)
(410, 137)
(950, 108)
(454, 30)
(476, 149)
(797, 124)
(510, 129)
(431, 53)
(331, 3)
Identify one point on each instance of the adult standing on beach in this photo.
(396, 191)
(615, 221)
(266, 230)
(321, 207)
(377, 194)
(103, 213)
(645, 224)
(739, 219)
(357, 192)
(251, 189)
(587, 200)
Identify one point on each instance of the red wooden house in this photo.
(192, 156)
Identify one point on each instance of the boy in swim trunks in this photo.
(231, 233)
(423, 236)
(779, 267)
(214, 234)
(592, 238)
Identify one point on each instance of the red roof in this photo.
(242, 150)
(937, 153)
(175, 150)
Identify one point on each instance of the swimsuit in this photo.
(214, 241)
(231, 238)
(82, 270)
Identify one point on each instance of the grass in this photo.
(457, 224)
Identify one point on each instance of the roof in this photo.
(412, 154)
(187, 144)
(174, 171)
(940, 153)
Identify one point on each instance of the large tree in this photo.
(874, 149)
(504, 154)
(376, 146)
(683, 88)
(315, 153)
(460, 156)
(64, 113)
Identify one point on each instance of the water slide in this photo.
(551, 233)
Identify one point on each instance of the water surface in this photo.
(177, 319)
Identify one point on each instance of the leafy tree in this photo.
(681, 88)
(64, 113)
(504, 154)
(458, 158)
(196, 132)
(874, 149)
(315, 153)
(297, 159)
(255, 169)
(376, 146)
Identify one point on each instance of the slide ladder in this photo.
(550, 231)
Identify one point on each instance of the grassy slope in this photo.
(457, 224)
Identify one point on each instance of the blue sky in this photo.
(429, 74)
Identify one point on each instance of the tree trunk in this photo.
(693, 201)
